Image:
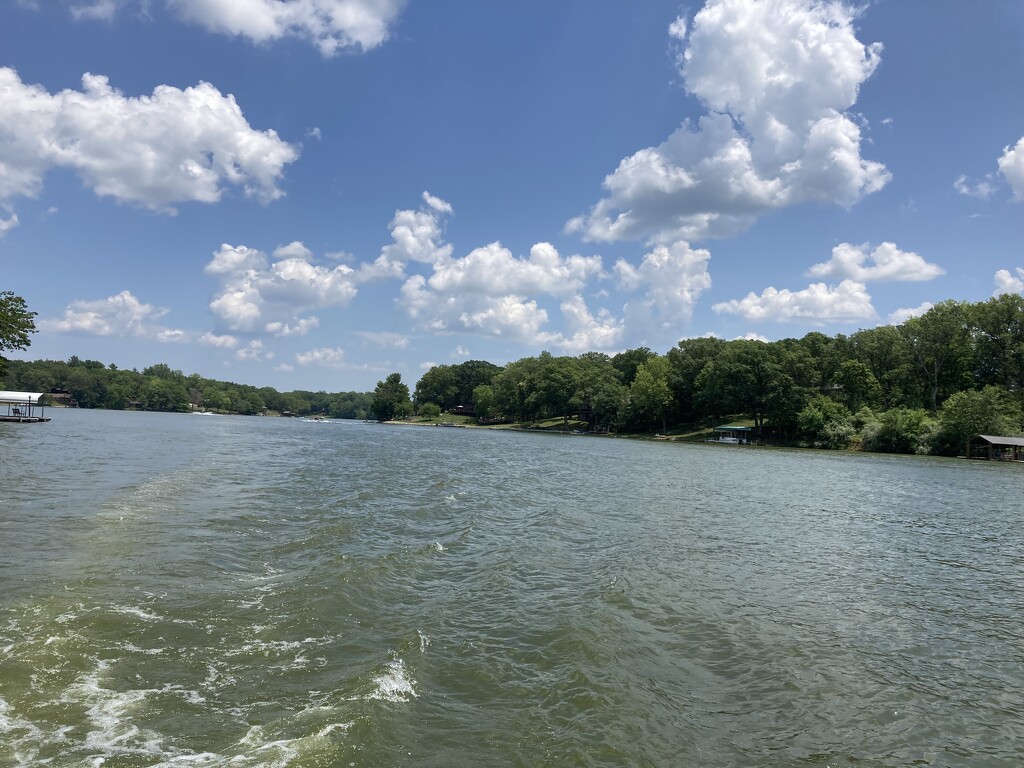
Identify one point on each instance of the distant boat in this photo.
(319, 419)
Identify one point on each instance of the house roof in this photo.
(732, 429)
(999, 440)
(20, 398)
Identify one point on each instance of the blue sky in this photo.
(310, 194)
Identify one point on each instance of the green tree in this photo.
(16, 323)
(628, 363)
(998, 330)
(686, 360)
(438, 385)
(856, 385)
(649, 394)
(939, 343)
(483, 398)
(898, 430)
(430, 411)
(826, 422)
(391, 399)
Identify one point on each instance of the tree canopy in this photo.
(16, 323)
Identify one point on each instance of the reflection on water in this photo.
(240, 591)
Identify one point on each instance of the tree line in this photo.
(92, 384)
(924, 386)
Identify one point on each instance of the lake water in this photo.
(178, 590)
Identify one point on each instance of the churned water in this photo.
(179, 590)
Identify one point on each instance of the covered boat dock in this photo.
(22, 407)
(995, 448)
(731, 434)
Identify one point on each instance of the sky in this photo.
(312, 194)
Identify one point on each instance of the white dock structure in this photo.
(22, 407)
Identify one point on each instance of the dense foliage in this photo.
(16, 323)
(925, 386)
(91, 384)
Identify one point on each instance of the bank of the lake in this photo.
(185, 591)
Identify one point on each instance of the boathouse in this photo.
(995, 447)
(731, 434)
(22, 407)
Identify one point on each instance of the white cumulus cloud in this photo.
(492, 292)
(1011, 165)
(171, 147)
(1008, 282)
(325, 357)
(672, 278)
(257, 291)
(119, 315)
(819, 302)
(225, 341)
(900, 316)
(885, 263)
(331, 25)
(776, 78)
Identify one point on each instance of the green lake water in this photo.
(178, 590)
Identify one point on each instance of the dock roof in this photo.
(1001, 440)
(19, 398)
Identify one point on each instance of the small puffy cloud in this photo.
(284, 368)
(752, 336)
(439, 205)
(460, 351)
(253, 352)
(677, 29)
(158, 151)
(325, 357)
(99, 10)
(119, 315)
(672, 278)
(982, 189)
(1011, 165)
(819, 302)
(776, 79)
(170, 336)
(417, 236)
(231, 258)
(385, 339)
(220, 342)
(6, 225)
(257, 291)
(1007, 282)
(900, 316)
(330, 25)
(885, 263)
(299, 327)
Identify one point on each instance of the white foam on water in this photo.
(19, 734)
(438, 547)
(132, 648)
(131, 610)
(424, 640)
(394, 683)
